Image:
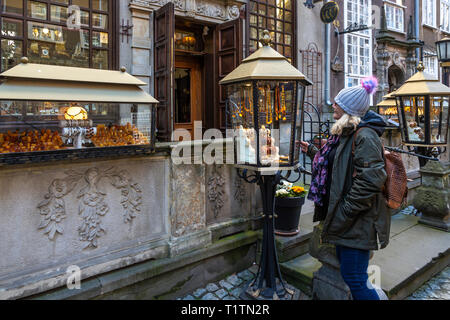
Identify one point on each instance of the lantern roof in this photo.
(265, 64)
(422, 83)
(388, 101)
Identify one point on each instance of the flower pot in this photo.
(288, 211)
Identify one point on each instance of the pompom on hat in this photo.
(356, 100)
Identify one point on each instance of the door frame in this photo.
(195, 64)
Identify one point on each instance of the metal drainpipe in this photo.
(416, 25)
(327, 75)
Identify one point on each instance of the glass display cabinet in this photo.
(387, 108)
(265, 112)
(423, 106)
(264, 109)
(53, 112)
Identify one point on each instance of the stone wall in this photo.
(104, 215)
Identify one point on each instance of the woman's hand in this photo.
(304, 146)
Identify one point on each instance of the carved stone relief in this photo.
(91, 204)
(192, 8)
(240, 193)
(216, 185)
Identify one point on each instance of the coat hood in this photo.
(373, 120)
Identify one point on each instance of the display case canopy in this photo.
(38, 82)
(265, 64)
(422, 83)
(388, 101)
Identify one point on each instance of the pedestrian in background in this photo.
(346, 186)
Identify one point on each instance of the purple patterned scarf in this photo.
(318, 186)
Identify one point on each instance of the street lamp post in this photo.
(265, 110)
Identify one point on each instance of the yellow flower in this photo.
(298, 189)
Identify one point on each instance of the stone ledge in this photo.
(96, 287)
(21, 285)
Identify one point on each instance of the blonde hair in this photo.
(346, 121)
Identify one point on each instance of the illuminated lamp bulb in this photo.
(76, 113)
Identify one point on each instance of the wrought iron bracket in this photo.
(354, 27)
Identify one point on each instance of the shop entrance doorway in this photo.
(187, 93)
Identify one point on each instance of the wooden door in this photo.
(187, 93)
(229, 56)
(164, 30)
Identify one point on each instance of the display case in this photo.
(264, 109)
(387, 108)
(423, 106)
(52, 112)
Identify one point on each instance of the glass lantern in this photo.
(423, 106)
(265, 108)
(443, 50)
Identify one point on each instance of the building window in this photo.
(430, 62)
(358, 61)
(48, 32)
(277, 16)
(429, 12)
(394, 18)
(445, 15)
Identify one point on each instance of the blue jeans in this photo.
(354, 263)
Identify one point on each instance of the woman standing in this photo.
(346, 186)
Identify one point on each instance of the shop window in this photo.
(40, 30)
(277, 16)
(12, 6)
(185, 40)
(49, 44)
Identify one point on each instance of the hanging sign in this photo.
(329, 12)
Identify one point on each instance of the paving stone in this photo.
(221, 293)
(212, 287)
(253, 269)
(224, 284)
(229, 298)
(246, 275)
(234, 280)
(199, 292)
(236, 292)
(189, 297)
(210, 296)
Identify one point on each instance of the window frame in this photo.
(441, 23)
(427, 57)
(366, 35)
(396, 8)
(260, 28)
(24, 18)
(425, 21)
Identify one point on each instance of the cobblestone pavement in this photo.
(437, 288)
(229, 288)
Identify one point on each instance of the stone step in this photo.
(289, 247)
(299, 272)
(414, 255)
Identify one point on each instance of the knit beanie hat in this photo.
(356, 100)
